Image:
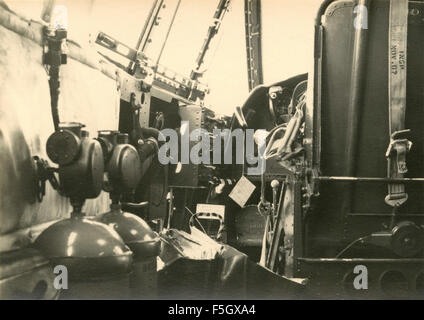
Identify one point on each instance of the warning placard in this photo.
(242, 191)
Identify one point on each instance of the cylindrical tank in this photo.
(97, 260)
(145, 245)
(123, 167)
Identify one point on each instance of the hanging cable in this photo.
(168, 33)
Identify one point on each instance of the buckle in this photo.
(396, 155)
(396, 199)
(400, 147)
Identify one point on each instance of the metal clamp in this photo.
(44, 173)
(396, 156)
(401, 147)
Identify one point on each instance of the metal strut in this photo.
(218, 17)
(146, 34)
(253, 30)
(359, 60)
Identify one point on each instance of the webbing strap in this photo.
(396, 153)
(398, 32)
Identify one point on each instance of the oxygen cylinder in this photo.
(124, 174)
(96, 259)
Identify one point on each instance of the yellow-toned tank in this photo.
(123, 169)
(145, 245)
(29, 204)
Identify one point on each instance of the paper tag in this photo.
(242, 191)
(211, 208)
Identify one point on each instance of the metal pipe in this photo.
(314, 148)
(354, 109)
(356, 93)
(321, 11)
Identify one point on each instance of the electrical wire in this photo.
(195, 217)
(352, 244)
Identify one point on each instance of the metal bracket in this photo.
(54, 56)
(43, 173)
